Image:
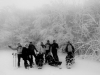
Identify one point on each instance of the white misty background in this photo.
(64, 20)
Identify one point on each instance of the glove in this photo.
(9, 46)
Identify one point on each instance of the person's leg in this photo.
(34, 54)
(19, 57)
(31, 60)
(25, 63)
(45, 56)
(53, 54)
(67, 60)
(56, 56)
(34, 57)
(46, 59)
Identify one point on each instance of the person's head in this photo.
(19, 44)
(68, 42)
(48, 41)
(31, 43)
(54, 41)
(42, 43)
(26, 45)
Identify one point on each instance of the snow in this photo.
(81, 67)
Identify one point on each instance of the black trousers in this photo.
(31, 58)
(19, 58)
(55, 56)
(25, 58)
(46, 54)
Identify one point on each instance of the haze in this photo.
(33, 4)
(39, 20)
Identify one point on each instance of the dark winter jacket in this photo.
(31, 48)
(48, 46)
(70, 52)
(54, 47)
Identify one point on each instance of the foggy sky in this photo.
(13, 20)
(34, 4)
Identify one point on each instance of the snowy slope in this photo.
(81, 67)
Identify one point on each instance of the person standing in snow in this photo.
(19, 52)
(25, 56)
(32, 50)
(40, 55)
(69, 48)
(70, 51)
(47, 49)
(54, 50)
(42, 47)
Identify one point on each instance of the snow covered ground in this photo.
(81, 67)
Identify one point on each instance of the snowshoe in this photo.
(58, 64)
(27, 66)
(69, 65)
(69, 62)
(39, 67)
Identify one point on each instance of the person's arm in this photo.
(73, 50)
(57, 46)
(13, 48)
(35, 49)
(66, 49)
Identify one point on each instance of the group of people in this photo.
(45, 53)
